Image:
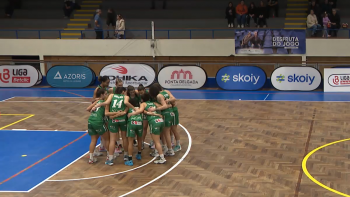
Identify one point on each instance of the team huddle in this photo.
(130, 112)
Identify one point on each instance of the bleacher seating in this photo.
(199, 14)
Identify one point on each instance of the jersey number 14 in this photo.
(116, 103)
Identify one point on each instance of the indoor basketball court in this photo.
(233, 144)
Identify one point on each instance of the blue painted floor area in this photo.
(36, 145)
(6, 93)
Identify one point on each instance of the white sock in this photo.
(110, 157)
(162, 156)
(177, 142)
(107, 153)
(91, 155)
(125, 153)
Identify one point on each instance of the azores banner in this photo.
(131, 74)
(240, 78)
(336, 80)
(182, 77)
(274, 41)
(296, 78)
(69, 76)
(19, 76)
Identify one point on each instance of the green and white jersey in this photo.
(166, 96)
(117, 104)
(97, 116)
(150, 104)
(135, 119)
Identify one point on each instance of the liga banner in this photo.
(274, 41)
(19, 76)
(336, 80)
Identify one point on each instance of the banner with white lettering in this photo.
(130, 74)
(336, 80)
(276, 41)
(182, 77)
(18, 76)
(70, 76)
(296, 78)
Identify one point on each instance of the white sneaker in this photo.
(238, 26)
(229, 25)
(232, 25)
(154, 154)
(165, 149)
(170, 153)
(97, 154)
(91, 161)
(242, 26)
(159, 161)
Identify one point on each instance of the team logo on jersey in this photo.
(158, 120)
(136, 123)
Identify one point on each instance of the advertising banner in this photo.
(69, 76)
(266, 41)
(18, 76)
(182, 77)
(296, 78)
(336, 80)
(131, 74)
(240, 78)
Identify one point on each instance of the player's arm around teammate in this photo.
(96, 125)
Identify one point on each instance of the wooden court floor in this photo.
(239, 148)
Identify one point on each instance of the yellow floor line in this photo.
(72, 29)
(16, 122)
(90, 6)
(86, 10)
(296, 14)
(294, 28)
(304, 4)
(70, 34)
(92, 1)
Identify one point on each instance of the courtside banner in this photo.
(131, 74)
(270, 41)
(296, 78)
(336, 80)
(240, 78)
(182, 77)
(69, 76)
(18, 76)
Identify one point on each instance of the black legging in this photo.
(231, 20)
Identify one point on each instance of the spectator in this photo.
(120, 27)
(262, 13)
(252, 14)
(273, 5)
(230, 15)
(326, 24)
(256, 41)
(317, 10)
(326, 7)
(154, 4)
(111, 20)
(241, 11)
(335, 23)
(98, 24)
(68, 8)
(246, 40)
(312, 22)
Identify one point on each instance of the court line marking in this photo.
(41, 160)
(7, 99)
(4, 191)
(266, 97)
(174, 166)
(16, 123)
(16, 114)
(46, 130)
(47, 101)
(303, 165)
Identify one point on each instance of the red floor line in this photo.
(72, 93)
(27, 168)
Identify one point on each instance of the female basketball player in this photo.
(141, 90)
(96, 124)
(134, 127)
(168, 114)
(172, 100)
(104, 83)
(131, 93)
(156, 124)
(116, 102)
(118, 83)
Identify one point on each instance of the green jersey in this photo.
(166, 96)
(117, 104)
(150, 104)
(97, 116)
(135, 118)
(137, 98)
(100, 87)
